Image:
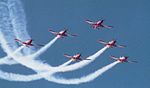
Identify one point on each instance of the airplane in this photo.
(62, 33)
(122, 59)
(98, 24)
(27, 43)
(111, 43)
(75, 57)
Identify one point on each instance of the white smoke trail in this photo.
(83, 79)
(83, 63)
(27, 78)
(80, 64)
(12, 19)
(39, 66)
(18, 77)
(28, 62)
(7, 59)
(18, 21)
(80, 80)
(60, 80)
(12, 15)
(66, 63)
(43, 49)
(6, 26)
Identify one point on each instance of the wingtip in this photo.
(111, 56)
(136, 61)
(49, 30)
(123, 46)
(87, 20)
(110, 27)
(100, 40)
(65, 54)
(74, 35)
(16, 39)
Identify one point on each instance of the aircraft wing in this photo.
(29, 41)
(53, 32)
(100, 21)
(71, 35)
(18, 40)
(84, 59)
(90, 22)
(121, 46)
(68, 56)
(105, 26)
(132, 61)
(103, 42)
(113, 57)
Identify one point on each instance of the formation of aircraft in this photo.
(122, 59)
(75, 57)
(111, 43)
(98, 24)
(62, 33)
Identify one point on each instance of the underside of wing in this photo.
(113, 57)
(53, 32)
(105, 26)
(68, 56)
(90, 22)
(103, 42)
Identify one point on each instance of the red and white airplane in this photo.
(27, 43)
(75, 57)
(123, 59)
(98, 24)
(111, 43)
(62, 33)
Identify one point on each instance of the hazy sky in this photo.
(130, 19)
